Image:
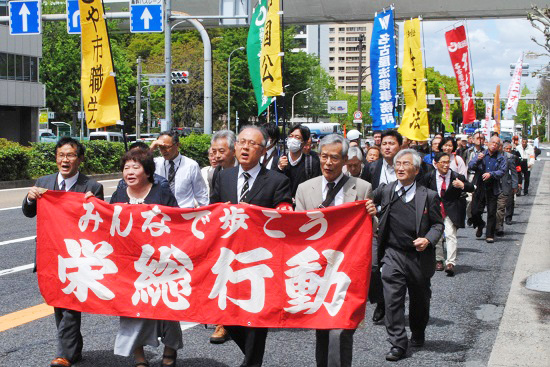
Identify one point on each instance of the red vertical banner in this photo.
(457, 44)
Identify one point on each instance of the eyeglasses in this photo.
(166, 147)
(251, 143)
(69, 156)
(403, 164)
(333, 158)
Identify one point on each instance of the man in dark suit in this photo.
(271, 157)
(251, 183)
(509, 183)
(410, 226)
(69, 154)
(333, 347)
(450, 186)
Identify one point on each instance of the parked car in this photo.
(143, 137)
(47, 137)
(107, 136)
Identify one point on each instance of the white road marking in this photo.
(187, 325)
(23, 239)
(16, 269)
(12, 208)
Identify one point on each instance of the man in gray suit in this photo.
(410, 226)
(509, 182)
(69, 153)
(333, 347)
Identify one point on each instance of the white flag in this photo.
(488, 110)
(514, 89)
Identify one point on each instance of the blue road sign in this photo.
(25, 17)
(73, 17)
(146, 18)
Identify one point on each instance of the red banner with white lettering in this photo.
(457, 44)
(218, 264)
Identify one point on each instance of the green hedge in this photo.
(18, 162)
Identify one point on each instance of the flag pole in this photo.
(282, 12)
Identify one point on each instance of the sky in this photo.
(494, 45)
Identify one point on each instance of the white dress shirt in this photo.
(189, 184)
(268, 154)
(240, 178)
(339, 198)
(439, 181)
(293, 163)
(69, 182)
(387, 174)
(410, 193)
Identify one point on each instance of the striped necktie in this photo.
(62, 186)
(172, 177)
(245, 188)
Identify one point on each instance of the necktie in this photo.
(244, 190)
(172, 176)
(403, 194)
(331, 186)
(443, 189)
(62, 186)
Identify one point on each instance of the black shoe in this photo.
(379, 312)
(525, 192)
(417, 340)
(508, 222)
(479, 231)
(500, 233)
(395, 354)
(469, 222)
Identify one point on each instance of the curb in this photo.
(16, 184)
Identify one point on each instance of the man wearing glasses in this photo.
(251, 183)
(69, 153)
(183, 174)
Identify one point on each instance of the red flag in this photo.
(218, 264)
(457, 44)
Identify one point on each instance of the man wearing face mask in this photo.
(298, 167)
(271, 157)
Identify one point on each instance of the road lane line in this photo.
(16, 269)
(12, 208)
(17, 240)
(187, 325)
(27, 315)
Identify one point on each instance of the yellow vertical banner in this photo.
(497, 109)
(98, 83)
(414, 124)
(270, 56)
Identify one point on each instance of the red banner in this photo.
(219, 264)
(457, 44)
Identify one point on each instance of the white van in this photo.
(107, 136)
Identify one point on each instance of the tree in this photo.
(524, 114)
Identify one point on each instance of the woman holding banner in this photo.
(138, 168)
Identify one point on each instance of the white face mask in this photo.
(294, 145)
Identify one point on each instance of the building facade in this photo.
(21, 94)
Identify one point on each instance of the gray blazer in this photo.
(83, 184)
(509, 181)
(310, 195)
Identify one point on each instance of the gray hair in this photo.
(417, 161)
(355, 152)
(506, 144)
(228, 135)
(335, 139)
(257, 128)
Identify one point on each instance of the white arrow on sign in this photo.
(76, 15)
(146, 17)
(24, 12)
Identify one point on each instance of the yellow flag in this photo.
(270, 58)
(414, 124)
(98, 77)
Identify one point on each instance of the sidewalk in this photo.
(523, 337)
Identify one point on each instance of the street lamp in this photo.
(294, 95)
(229, 87)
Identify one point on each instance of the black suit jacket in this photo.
(453, 201)
(83, 184)
(429, 223)
(371, 173)
(269, 190)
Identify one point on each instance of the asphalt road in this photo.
(465, 312)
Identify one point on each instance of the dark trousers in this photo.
(485, 197)
(402, 272)
(510, 207)
(526, 177)
(334, 348)
(69, 338)
(251, 341)
(376, 294)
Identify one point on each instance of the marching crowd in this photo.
(429, 193)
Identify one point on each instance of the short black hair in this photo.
(445, 140)
(140, 145)
(145, 158)
(80, 150)
(304, 130)
(393, 133)
(439, 155)
(173, 134)
(272, 131)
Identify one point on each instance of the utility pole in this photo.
(148, 110)
(361, 40)
(138, 98)
(168, 65)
